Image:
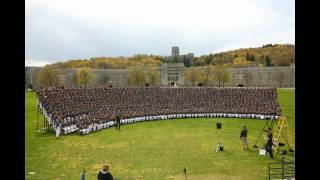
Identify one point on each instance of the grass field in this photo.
(152, 150)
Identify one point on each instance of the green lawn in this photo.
(152, 150)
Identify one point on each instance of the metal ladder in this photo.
(281, 124)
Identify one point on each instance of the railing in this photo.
(284, 169)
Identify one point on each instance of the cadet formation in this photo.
(84, 110)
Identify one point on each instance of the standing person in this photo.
(58, 130)
(105, 174)
(118, 122)
(269, 147)
(243, 137)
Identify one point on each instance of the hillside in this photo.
(267, 55)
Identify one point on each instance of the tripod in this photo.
(219, 146)
(263, 130)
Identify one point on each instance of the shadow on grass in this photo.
(43, 134)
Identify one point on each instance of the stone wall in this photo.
(174, 72)
(115, 77)
(258, 77)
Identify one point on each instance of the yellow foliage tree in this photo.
(84, 76)
(221, 74)
(193, 75)
(136, 76)
(152, 76)
(241, 62)
(48, 77)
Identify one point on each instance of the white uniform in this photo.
(58, 131)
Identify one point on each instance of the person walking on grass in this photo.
(243, 137)
(118, 122)
(269, 146)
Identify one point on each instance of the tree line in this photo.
(137, 76)
(265, 56)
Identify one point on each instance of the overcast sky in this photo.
(59, 30)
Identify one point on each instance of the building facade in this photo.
(172, 73)
(187, 59)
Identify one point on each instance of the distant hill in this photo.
(267, 55)
(112, 62)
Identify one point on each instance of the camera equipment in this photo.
(283, 152)
(219, 145)
(219, 125)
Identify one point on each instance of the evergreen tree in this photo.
(268, 61)
(247, 57)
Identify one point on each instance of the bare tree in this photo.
(208, 71)
(193, 74)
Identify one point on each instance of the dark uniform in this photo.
(105, 175)
(118, 122)
(269, 147)
(269, 142)
(243, 137)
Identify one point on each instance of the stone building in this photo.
(172, 73)
(175, 57)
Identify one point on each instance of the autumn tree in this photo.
(221, 74)
(240, 62)
(84, 76)
(193, 75)
(199, 61)
(48, 77)
(136, 76)
(152, 76)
